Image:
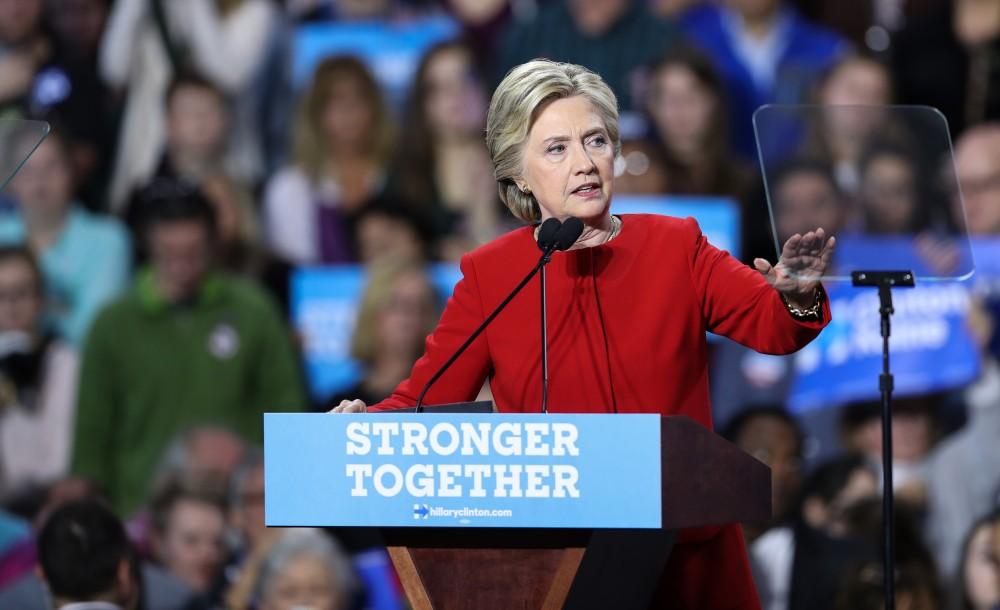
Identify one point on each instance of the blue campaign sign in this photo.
(324, 304)
(462, 470)
(392, 50)
(718, 217)
(931, 348)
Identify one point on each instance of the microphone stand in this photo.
(545, 258)
(884, 281)
(545, 337)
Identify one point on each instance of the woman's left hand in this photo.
(804, 260)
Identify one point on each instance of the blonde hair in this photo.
(381, 280)
(516, 103)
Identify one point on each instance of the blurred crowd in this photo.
(147, 244)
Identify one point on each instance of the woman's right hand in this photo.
(350, 406)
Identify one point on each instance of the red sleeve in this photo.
(708, 573)
(737, 302)
(462, 382)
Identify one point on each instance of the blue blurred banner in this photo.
(719, 217)
(931, 348)
(391, 50)
(324, 300)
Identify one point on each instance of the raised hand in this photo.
(804, 260)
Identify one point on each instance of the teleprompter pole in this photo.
(885, 281)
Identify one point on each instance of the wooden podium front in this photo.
(703, 480)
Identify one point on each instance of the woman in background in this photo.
(341, 140)
(398, 310)
(444, 169)
(687, 114)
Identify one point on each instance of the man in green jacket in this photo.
(188, 345)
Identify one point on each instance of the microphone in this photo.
(547, 235)
(568, 233)
(553, 238)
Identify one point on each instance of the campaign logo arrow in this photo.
(421, 511)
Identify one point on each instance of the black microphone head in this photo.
(568, 233)
(547, 234)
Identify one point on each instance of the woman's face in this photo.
(681, 107)
(455, 105)
(857, 83)
(982, 575)
(304, 583)
(403, 322)
(196, 122)
(804, 201)
(43, 185)
(568, 160)
(347, 116)
(889, 194)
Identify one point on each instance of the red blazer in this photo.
(626, 333)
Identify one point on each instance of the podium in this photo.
(606, 547)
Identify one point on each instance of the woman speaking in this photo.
(628, 304)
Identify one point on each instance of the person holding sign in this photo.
(629, 302)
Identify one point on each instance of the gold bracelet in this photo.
(813, 313)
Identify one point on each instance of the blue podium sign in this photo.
(462, 470)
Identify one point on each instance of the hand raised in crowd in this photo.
(804, 260)
(350, 406)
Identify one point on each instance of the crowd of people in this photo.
(147, 245)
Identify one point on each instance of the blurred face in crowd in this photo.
(43, 186)
(20, 297)
(981, 574)
(180, 252)
(912, 436)
(805, 200)
(830, 517)
(306, 582)
(568, 160)
(79, 22)
(681, 107)
(976, 22)
(977, 160)
(455, 105)
(196, 122)
(774, 442)
(889, 193)
(347, 119)
(855, 82)
(191, 548)
(383, 237)
(594, 17)
(247, 515)
(407, 315)
(213, 454)
(19, 19)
